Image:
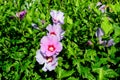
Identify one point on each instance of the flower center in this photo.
(51, 48)
(52, 33)
(55, 20)
(49, 59)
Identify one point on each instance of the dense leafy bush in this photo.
(82, 57)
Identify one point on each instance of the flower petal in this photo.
(44, 40)
(99, 3)
(57, 17)
(110, 43)
(49, 27)
(99, 32)
(59, 47)
(39, 57)
(48, 53)
(53, 13)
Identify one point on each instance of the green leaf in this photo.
(117, 30)
(97, 11)
(106, 26)
(85, 72)
(63, 73)
(16, 65)
(25, 65)
(90, 55)
(42, 15)
(69, 20)
(77, 3)
(29, 19)
(100, 62)
(72, 78)
(115, 8)
(101, 74)
(67, 73)
(110, 73)
(7, 67)
(29, 30)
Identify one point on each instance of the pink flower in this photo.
(50, 63)
(89, 43)
(55, 30)
(57, 17)
(99, 33)
(102, 8)
(110, 43)
(50, 45)
(21, 14)
(99, 3)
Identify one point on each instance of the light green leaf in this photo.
(77, 3)
(42, 15)
(69, 20)
(115, 8)
(28, 18)
(106, 26)
(72, 78)
(101, 74)
(117, 30)
(29, 30)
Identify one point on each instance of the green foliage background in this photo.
(78, 60)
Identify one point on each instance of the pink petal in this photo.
(57, 28)
(99, 3)
(40, 59)
(43, 49)
(44, 40)
(54, 40)
(49, 27)
(48, 53)
(53, 13)
(59, 47)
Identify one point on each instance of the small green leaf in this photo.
(117, 30)
(69, 20)
(42, 15)
(77, 3)
(16, 65)
(66, 73)
(29, 30)
(101, 74)
(28, 18)
(63, 73)
(72, 78)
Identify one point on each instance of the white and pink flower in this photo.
(55, 30)
(50, 63)
(102, 8)
(57, 17)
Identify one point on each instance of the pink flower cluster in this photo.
(50, 45)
